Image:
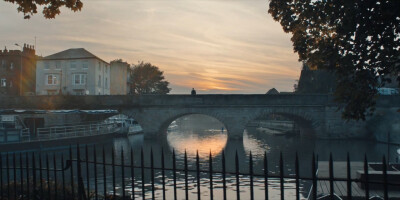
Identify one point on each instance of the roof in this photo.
(78, 53)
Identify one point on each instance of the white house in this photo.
(72, 72)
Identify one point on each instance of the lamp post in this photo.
(20, 70)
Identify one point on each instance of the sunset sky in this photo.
(215, 46)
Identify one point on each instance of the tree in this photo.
(148, 79)
(359, 40)
(51, 7)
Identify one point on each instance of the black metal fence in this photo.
(30, 176)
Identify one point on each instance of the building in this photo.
(72, 72)
(120, 75)
(18, 71)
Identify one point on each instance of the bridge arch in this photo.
(308, 124)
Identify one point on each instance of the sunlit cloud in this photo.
(214, 46)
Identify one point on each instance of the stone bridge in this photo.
(315, 114)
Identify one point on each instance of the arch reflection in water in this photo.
(197, 133)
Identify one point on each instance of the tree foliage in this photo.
(148, 79)
(356, 39)
(51, 7)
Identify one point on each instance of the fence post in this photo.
(366, 183)
(104, 175)
(198, 174)
(15, 176)
(21, 175)
(385, 180)
(186, 177)
(113, 170)
(48, 177)
(55, 176)
(174, 172)
(34, 176)
(266, 175)
(72, 173)
(314, 177)
(281, 174)
(41, 175)
(142, 170)
(132, 175)
(63, 177)
(223, 174)
(87, 170)
(163, 172)
(152, 174)
(331, 188)
(237, 176)
(251, 176)
(95, 173)
(27, 176)
(297, 171)
(123, 173)
(349, 195)
(211, 177)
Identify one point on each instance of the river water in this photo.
(207, 136)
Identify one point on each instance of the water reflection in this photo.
(205, 142)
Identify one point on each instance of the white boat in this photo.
(128, 125)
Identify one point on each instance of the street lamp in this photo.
(20, 71)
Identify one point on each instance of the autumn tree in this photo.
(51, 7)
(359, 40)
(148, 79)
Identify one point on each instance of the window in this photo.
(106, 69)
(79, 79)
(11, 66)
(46, 65)
(99, 82)
(85, 64)
(3, 82)
(73, 65)
(58, 64)
(106, 83)
(3, 63)
(51, 79)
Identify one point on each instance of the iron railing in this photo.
(28, 175)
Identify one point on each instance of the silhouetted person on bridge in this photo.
(193, 91)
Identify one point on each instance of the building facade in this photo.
(18, 71)
(120, 76)
(72, 72)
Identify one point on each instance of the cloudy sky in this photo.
(215, 46)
